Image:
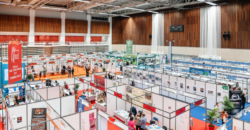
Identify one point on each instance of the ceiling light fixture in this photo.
(25, 5)
(211, 3)
(108, 14)
(201, 0)
(125, 16)
(135, 9)
(153, 12)
(81, 1)
(52, 8)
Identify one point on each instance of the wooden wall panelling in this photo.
(76, 26)
(235, 18)
(138, 27)
(190, 37)
(117, 30)
(50, 25)
(11, 23)
(99, 27)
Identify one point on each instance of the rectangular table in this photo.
(122, 115)
(154, 127)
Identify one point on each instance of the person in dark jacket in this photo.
(243, 100)
(87, 71)
(40, 74)
(73, 71)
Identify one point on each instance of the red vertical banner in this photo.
(15, 62)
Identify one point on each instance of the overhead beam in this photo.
(40, 3)
(32, 2)
(16, 2)
(86, 6)
(124, 6)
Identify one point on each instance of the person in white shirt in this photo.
(217, 106)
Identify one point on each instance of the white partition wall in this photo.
(237, 124)
(73, 120)
(221, 92)
(211, 95)
(68, 105)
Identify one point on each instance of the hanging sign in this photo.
(69, 60)
(129, 47)
(41, 56)
(150, 108)
(58, 58)
(29, 56)
(100, 60)
(15, 62)
(63, 54)
(94, 59)
(118, 95)
(182, 110)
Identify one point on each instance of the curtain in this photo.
(210, 32)
(157, 45)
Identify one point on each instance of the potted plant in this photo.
(29, 77)
(76, 88)
(211, 116)
(228, 105)
(103, 69)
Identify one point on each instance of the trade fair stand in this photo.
(170, 85)
(165, 111)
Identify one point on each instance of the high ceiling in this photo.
(110, 7)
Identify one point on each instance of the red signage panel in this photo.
(150, 108)
(82, 80)
(118, 95)
(101, 88)
(92, 84)
(15, 62)
(198, 102)
(178, 112)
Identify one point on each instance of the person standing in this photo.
(40, 74)
(222, 115)
(225, 117)
(243, 100)
(129, 116)
(73, 71)
(131, 123)
(143, 122)
(93, 71)
(217, 107)
(138, 122)
(69, 72)
(87, 71)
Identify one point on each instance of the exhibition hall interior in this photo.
(125, 64)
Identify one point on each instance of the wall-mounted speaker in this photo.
(150, 36)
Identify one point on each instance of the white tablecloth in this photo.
(122, 115)
(101, 106)
(89, 96)
(154, 127)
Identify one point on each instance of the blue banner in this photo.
(80, 106)
(231, 77)
(210, 74)
(199, 71)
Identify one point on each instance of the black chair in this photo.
(164, 127)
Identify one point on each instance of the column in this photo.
(31, 39)
(88, 39)
(62, 36)
(110, 34)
